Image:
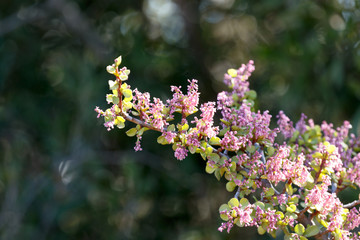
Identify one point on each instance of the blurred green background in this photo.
(63, 176)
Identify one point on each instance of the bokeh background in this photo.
(63, 176)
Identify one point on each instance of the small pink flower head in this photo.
(185, 104)
(353, 173)
(156, 116)
(232, 143)
(353, 219)
(279, 167)
(141, 101)
(180, 152)
(285, 125)
(169, 136)
(300, 174)
(333, 159)
(99, 111)
(301, 124)
(138, 144)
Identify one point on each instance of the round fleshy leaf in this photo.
(131, 132)
(117, 61)
(162, 140)
(113, 85)
(234, 202)
(210, 169)
(208, 150)
(127, 93)
(311, 230)
(120, 125)
(214, 141)
(317, 155)
(299, 229)
(230, 186)
(120, 119)
(291, 208)
(270, 151)
(244, 202)
(214, 157)
(261, 230)
(232, 72)
(289, 189)
(233, 167)
(123, 77)
(260, 205)
(251, 95)
(110, 69)
(270, 192)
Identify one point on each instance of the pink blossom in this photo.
(285, 125)
(205, 124)
(193, 138)
(239, 83)
(156, 116)
(180, 152)
(185, 103)
(231, 142)
(353, 219)
(326, 203)
(301, 124)
(141, 101)
(332, 161)
(99, 111)
(169, 136)
(300, 174)
(137, 144)
(109, 125)
(279, 167)
(282, 198)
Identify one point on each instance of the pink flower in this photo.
(186, 104)
(99, 111)
(285, 125)
(141, 101)
(232, 143)
(279, 167)
(353, 219)
(327, 204)
(205, 124)
(137, 144)
(156, 115)
(180, 152)
(169, 136)
(301, 124)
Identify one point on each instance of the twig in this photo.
(352, 204)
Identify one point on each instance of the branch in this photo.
(352, 204)
(139, 122)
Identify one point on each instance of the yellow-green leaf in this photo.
(110, 69)
(234, 202)
(127, 93)
(214, 157)
(232, 72)
(299, 229)
(210, 168)
(244, 202)
(131, 132)
(113, 84)
(214, 141)
(261, 230)
(311, 230)
(117, 61)
(230, 186)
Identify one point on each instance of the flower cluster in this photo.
(292, 186)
